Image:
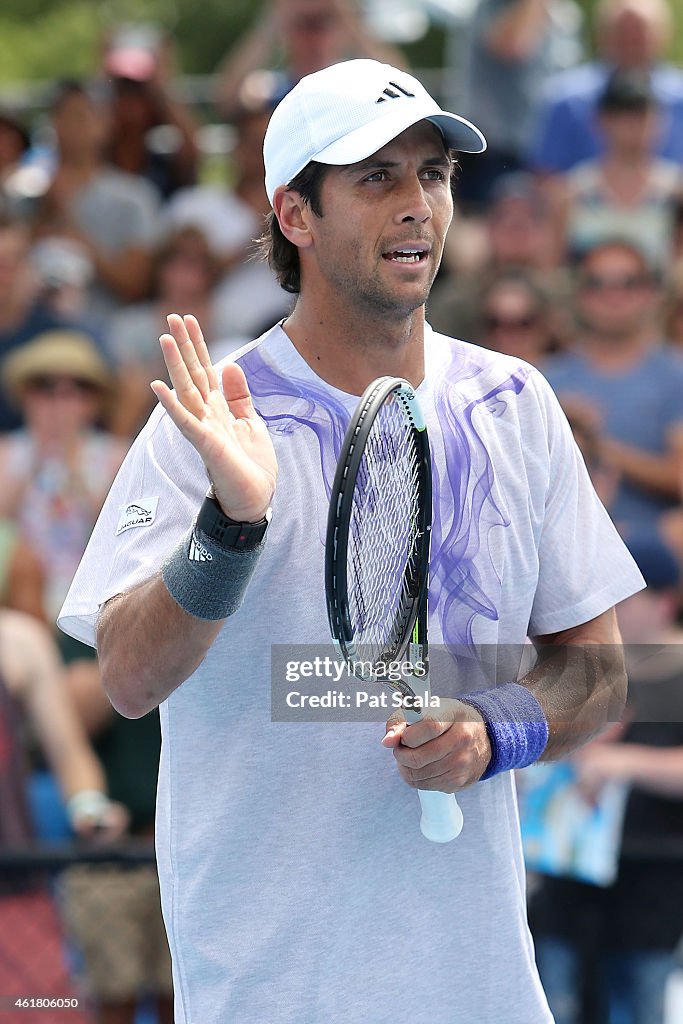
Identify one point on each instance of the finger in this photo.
(197, 373)
(439, 720)
(187, 423)
(424, 731)
(444, 780)
(181, 379)
(455, 742)
(236, 392)
(195, 332)
(396, 726)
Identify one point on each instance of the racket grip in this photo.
(441, 816)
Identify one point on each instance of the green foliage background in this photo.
(47, 39)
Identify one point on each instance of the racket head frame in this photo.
(339, 520)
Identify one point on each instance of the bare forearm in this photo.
(254, 51)
(655, 770)
(657, 473)
(148, 646)
(580, 682)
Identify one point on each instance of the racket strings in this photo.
(383, 537)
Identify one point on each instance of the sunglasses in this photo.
(47, 385)
(510, 323)
(625, 283)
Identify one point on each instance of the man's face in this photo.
(314, 34)
(617, 295)
(634, 36)
(378, 245)
(80, 124)
(630, 131)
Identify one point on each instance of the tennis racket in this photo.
(377, 558)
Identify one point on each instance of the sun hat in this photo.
(65, 353)
(348, 111)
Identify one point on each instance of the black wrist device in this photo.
(230, 534)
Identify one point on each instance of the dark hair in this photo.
(97, 93)
(281, 254)
(627, 90)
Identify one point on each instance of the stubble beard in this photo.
(370, 296)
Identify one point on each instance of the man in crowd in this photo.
(632, 36)
(622, 374)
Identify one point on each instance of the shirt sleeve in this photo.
(584, 566)
(152, 503)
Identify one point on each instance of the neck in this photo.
(617, 350)
(80, 165)
(627, 161)
(349, 348)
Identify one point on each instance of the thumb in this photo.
(236, 392)
(396, 726)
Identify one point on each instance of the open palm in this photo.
(222, 426)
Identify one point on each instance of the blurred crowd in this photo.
(566, 250)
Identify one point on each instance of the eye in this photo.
(435, 174)
(376, 176)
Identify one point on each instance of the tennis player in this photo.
(296, 886)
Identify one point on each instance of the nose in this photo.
(412, 204)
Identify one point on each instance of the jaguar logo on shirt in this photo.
(138, 513)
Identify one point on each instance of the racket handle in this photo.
(441, 816)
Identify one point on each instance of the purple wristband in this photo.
(515, 723)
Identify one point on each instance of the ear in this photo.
(294, 216)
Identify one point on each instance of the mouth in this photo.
(411, 254)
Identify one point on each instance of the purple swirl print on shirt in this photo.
(465, 508)
(312, 405)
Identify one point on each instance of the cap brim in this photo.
(458, 133)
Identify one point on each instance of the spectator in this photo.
(22, 314)
(64, 272)
(514, 318)
(185, 273)
(112, 214)
(630, 380)
(632, 35)
(673, 316)
(513, 47)
(140, 63)
(58, 468)
(627, 191)
(248, 298)
(614, 944)
(302, 36)
(518, 236)
(14, 141)
(21, 574)
(587, 432)
(33, 695)
(129, 958)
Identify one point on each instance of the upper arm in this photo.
(603, 629)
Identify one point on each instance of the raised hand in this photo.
(223, 427)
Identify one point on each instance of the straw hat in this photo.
(65, 353)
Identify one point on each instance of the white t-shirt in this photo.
(296, 886)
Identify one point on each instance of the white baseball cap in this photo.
(348, 111)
